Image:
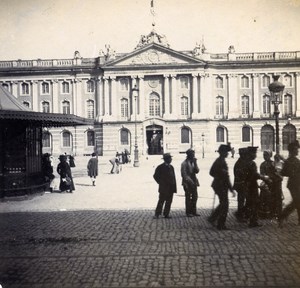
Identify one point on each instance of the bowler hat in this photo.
(224, 148)
(167, 155)
(293, 145)
(189, 151)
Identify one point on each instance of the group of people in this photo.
(245, 185)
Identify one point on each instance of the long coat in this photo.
(92, 167)
(164, 175)
(64, 170)
(188, 173)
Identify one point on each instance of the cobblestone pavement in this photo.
(105, 236)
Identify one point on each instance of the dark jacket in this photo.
(219, 170)
(291, 169)
(165, 177)
(92, 167)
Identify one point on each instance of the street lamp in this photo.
(276, 91)
(202, 145)
(135, 94)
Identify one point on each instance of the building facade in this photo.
(185, 98)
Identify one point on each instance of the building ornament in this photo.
(152, 37)
(108, 53)
(199, 49)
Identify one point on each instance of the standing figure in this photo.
(189, 169)
(239, 185)
(221, 184)
(164, 175)
(92, 167)
(252, 200)
(64, 170)
(47, 170)
(72, 161)
(291, 169)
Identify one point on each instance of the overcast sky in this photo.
(47, 29)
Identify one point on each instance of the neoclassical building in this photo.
(185, 98)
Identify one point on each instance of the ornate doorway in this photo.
(154, 134)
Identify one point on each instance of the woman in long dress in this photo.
(66, 179)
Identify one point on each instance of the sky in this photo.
(54, 29)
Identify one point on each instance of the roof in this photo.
(11, 109)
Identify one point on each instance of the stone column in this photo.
(79, 107)
(98, 97)
(208, 98)
(195, 110)
(132, 103)
(114, 99)
(106, 96)
(297, 91)
(202, 96)
(34, 92)
(256, 98)
(174, 108)
(166, 96)
(141, 100)
(55, 102)
(232, 97)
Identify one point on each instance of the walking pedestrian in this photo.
(221, 184)
(47, 170)
(92, 167)
(66, 179)
(239, 184)
(189, 169)
(165, 177)
(72, 161)
(291, 169)
(252, 200)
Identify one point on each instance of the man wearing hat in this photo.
(165, 177)
(221, 184)
(252, 198)
(291, 169)
(189, 169)
(239, 185)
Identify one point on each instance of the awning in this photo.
(45, 119)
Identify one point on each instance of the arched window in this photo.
(45, 107)
(219, 106)
(45, 88)
(124, 108)
(219, 82)
(220, 134)
(288, 105)
(245, 105)
(185, 135)
(184, 106)
(124, 136)
(154, 105)
(265, 81)
(66, 139)
(288, 135)
(66, 107)
(90, 109)
(288, 80)
(46, 139)
(25, 89)
(246, 134)
(90, 138)
(184, 82)
(90, 86)
(267, 138)
(266, 104)
(65, 87)
(123, 84)
(245, 82)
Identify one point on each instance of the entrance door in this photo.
(154, 134)
(267, 138)
(288, 135)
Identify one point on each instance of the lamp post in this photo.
(276, 91)
(202, 145)
(135, 93)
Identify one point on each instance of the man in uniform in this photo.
(189, 169)
(164, 175)
(221, 184)
(239, 185)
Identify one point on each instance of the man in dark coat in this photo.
(190, 183)
(165, 177)
(239, 185)
(92, 168)
(221, 184)
(291, 169)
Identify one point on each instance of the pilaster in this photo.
(174, 108)
(55, 102)
(34, 93)
(256, 98)
(195, 111)
(166, 96)
(232, 96)
(297, 91)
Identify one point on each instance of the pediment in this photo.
(154, 55)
